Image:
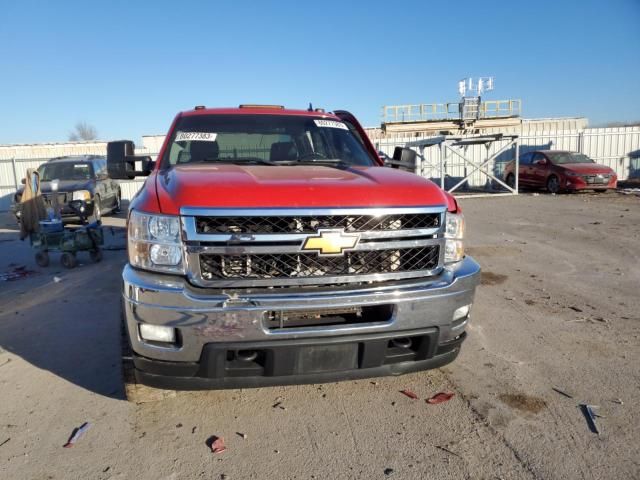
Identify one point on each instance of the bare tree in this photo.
(83, 132)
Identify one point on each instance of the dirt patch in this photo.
(493, 251)
(523, 402)
(490, 278)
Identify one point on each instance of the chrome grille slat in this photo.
(290, 265)
(311, 224)
(230, 248)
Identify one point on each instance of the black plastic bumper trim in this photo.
(211, 373)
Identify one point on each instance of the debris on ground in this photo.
(179, 425)
(409, 394)
(618, 401)
(216, 444)
(445, 449)
(77, 434)
(16, 273)
(1, 444)
(440, 398)
(590, 415)
(3, 364)
(279, 405)
(561, 392)
(388, 471)
(57, 279)
(575, 309)
(243, 435)
(193, 430)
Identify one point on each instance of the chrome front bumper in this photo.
(204, 318)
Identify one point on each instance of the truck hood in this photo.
(227, 186)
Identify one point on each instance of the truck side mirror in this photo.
(404, 159)
(147, 166)
(121, 161)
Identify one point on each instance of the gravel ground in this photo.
(558, 307)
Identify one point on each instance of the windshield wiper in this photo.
(258, 160)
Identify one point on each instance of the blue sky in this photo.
(127, 67)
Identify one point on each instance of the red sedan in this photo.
(558, 170)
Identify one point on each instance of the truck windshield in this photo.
(64, 171)
(264, 139)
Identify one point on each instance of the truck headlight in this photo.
(155, 242)
(454, 237)
(84, 195)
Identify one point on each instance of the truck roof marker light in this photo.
(199, 107)
(251, 105)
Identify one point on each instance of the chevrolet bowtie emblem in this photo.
(331, 242)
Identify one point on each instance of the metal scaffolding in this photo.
(426, 112)
(449, 145)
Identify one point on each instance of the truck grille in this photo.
(48, 198)
(292, 265)
(310, 224)
(229, 248)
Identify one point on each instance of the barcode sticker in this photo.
(196, 136)
(331, 124)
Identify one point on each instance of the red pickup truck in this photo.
(271, 246)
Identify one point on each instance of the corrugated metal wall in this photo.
(618, 148)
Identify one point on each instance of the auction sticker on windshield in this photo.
(196, 136)
(331, 124)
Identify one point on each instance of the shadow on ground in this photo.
(65, 321)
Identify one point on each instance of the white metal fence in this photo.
(13, 170)
(618, 148)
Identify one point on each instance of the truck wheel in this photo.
(42, 259)
(553, 184)
(68, 260)
(134, 391)
(95, 255)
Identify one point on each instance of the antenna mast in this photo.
(471, 91)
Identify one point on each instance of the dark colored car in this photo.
(85, 190)
(558, 170)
